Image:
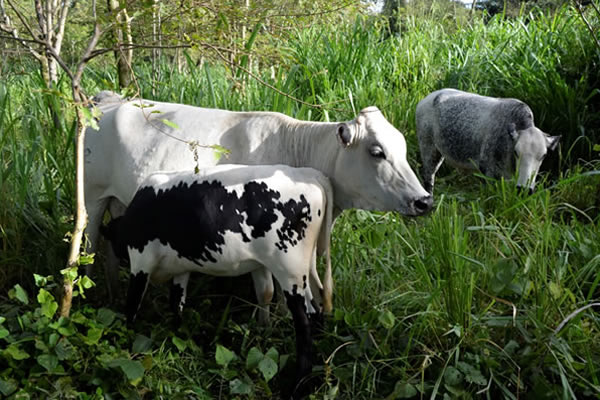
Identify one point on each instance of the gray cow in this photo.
(473, 132)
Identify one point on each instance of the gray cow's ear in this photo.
(552, 142)
(344, 134)
(512, 131)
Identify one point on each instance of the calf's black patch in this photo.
(193, 218)
(296, 216)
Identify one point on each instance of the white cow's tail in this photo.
(324, 244)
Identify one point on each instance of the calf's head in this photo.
(371, 171)
(531, 146)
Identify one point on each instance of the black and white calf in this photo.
(229, 220)
(493, 135)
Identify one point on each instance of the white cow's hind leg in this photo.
(111, 261)
(95, 210)
(264, 288)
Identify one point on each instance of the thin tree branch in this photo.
(22, 19)
(88, 51)
(586, 22)
(262, 82)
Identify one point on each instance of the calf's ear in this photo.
(512, 131)
(344, 134)
(552, 142)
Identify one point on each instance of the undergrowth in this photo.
(484, 297)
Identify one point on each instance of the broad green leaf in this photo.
(65, 350)
(268, 367)
(555, 290)
(86, 282)
(69, 273)
(179, 343)
(16, 352)
(273, 354)
(86, 259)
(404, 390)
(596, 147)
(88, 118)
(48, 361)
(7, 386)
(67, 329)
(41, 346)
(219, 151)
(452, 376)
(40, 281)
(93, 335)
(3, 332)
(170, 124)
(106, 317)
(53, 339)
(133, 370)
(19, 293)
(387, 319)
(472, 374)
(141, 344)
(224, 356)
(147, 362)
(238, 386)
(46, 300)
(253, 358)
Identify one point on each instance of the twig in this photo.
(586, 22)
(573, 315)
(262, 82)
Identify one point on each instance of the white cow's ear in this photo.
(552, 142)
(512, 131)
(344, 134)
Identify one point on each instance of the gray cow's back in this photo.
(462, 125)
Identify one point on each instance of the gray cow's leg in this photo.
(432, 161)
(264, 288)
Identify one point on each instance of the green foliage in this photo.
(461, 303)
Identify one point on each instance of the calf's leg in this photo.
(264, 288)
(138, 282)
(178, 293)
(297, 305)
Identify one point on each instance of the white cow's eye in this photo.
(377, 152)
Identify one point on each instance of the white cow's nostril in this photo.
(423, 204)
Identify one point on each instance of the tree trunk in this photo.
(80, 213)
(156, 39)
(122, 37)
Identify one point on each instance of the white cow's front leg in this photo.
(264, 288)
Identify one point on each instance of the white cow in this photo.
(365, 158)
(229, 220)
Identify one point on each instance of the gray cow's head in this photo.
(371, 171)
(531, 147)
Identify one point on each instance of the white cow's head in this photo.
(531, 147)
(371, 171)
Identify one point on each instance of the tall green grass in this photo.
(462, 303)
